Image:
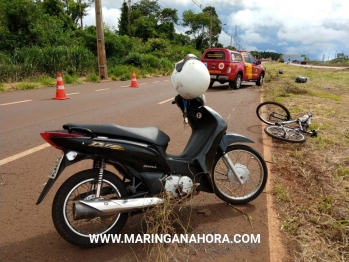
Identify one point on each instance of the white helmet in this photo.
(190, 77)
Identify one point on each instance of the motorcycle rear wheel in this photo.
(82, 186)
(251, 169)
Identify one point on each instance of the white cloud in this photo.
(253, 37)
(285, 26)
(110, 17)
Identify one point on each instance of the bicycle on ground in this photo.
(281, 125)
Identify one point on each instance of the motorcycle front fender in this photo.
(231, 138)
(62, 165)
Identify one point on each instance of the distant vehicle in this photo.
(233, 67)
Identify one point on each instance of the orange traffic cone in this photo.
(60, 92)
(134, 80)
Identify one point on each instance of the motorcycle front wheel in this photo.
(252, 172)
(82, 186)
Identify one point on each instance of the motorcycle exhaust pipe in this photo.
(107, 207)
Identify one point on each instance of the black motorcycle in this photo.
(97, 201)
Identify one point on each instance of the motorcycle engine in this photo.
(178, 185)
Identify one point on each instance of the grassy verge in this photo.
(124, 73)
(311, 180)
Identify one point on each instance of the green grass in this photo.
(312, 180)
(281, 193)
(71, 79)
(48, 81)
(25, 86)
(92, 78)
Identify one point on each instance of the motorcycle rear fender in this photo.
(63, 165)
(231, 138)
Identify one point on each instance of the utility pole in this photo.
(236, 41)
(129, 18)
(210, 30)
(102, 60)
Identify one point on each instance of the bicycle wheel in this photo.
(272, 112)
(285, 134)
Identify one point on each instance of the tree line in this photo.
(43, 36)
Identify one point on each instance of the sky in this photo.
(318, 29)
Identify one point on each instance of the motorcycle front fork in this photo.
(230, 165)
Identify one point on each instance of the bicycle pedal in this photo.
(313, 133)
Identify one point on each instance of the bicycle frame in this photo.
(302, 125)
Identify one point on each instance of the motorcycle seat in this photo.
(146, 134)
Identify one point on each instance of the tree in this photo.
(145, 28)
(215, 25)
(146, 8)
(56, 8)
(123, 20)
(230, 47)
(167, 15)
(200, 25)
(16, 17)
(77, 10)
(166, 20)
(148, 20)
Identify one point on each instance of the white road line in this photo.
(125, 86)
(143, 84)
(22, 154)
(102, 89)
(163, 102)
(156, 82)
(15, 102)
(72, 94)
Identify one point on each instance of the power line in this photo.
(198, 4)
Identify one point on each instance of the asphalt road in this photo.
(315, 66)
(27, 231)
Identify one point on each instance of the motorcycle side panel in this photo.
(153, 181)
(208, 128)
(142, 157)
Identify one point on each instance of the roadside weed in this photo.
(315, 174)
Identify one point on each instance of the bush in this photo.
(133, 59)
(71, 79)
(124, 72)
(92, 78)
(157, 44)
(48, 81)
(30, 61)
